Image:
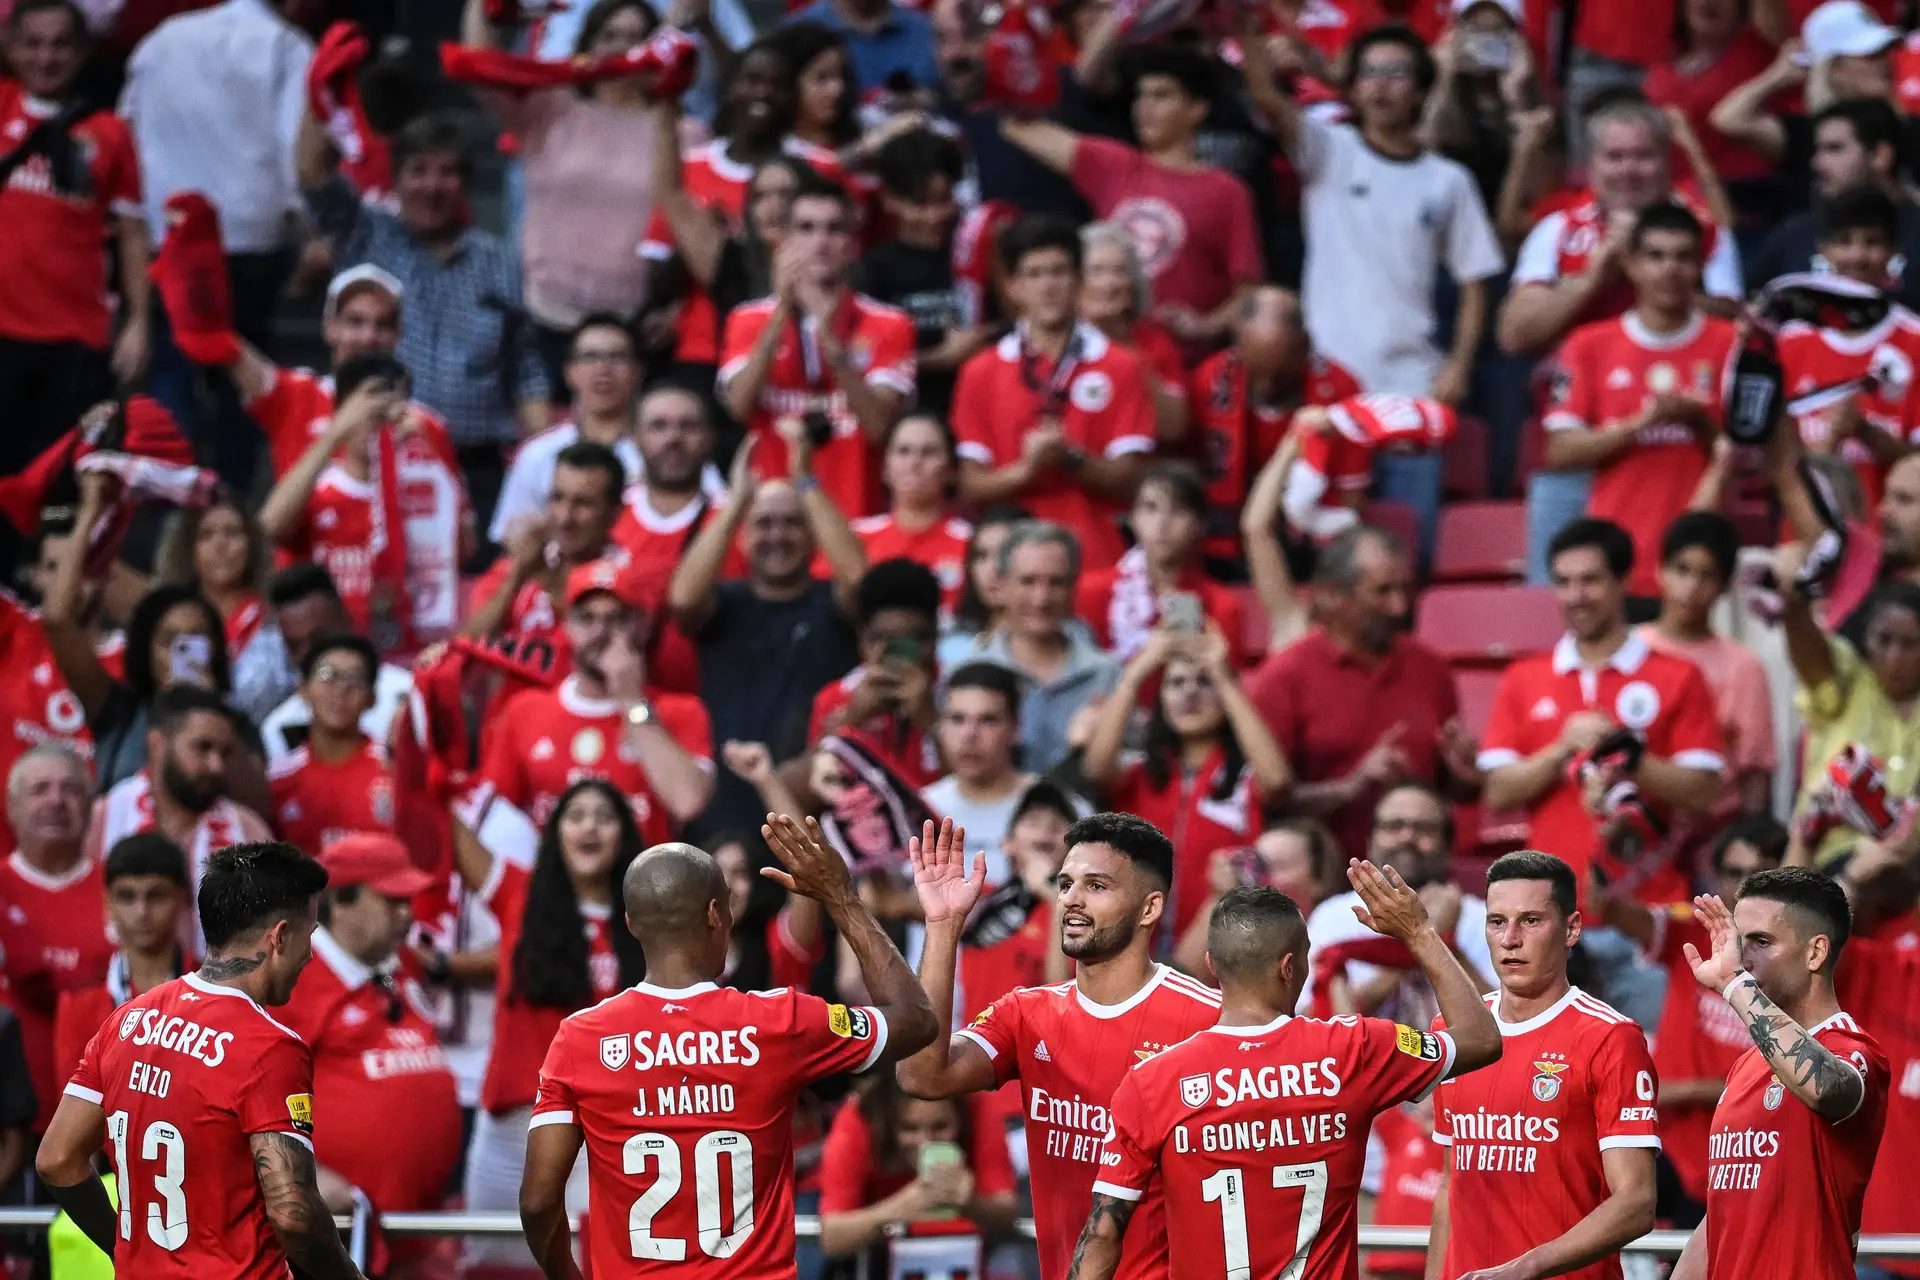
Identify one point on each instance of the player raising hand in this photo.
(1257, 1127)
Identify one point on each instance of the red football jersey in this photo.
(1236, 438)
(1813, 361)
(378, 1066)
(941, 547)
(1068, 1088)
(1700, 1037)
(533, 612)
(1259, 1138)
(1527, 1132)
(1881, 978)
(542, 741)
(1785, 1184)
(1572, 225)
(522, 1031)
(913, 754)
(56, 941)
(880, 344)
(54, 255)
(1610, 371)
(685, 1098)
(315, 802)
(1108, 410)
(711, 176)
(1198, 823)
(1666, 698)
(1409, 1185)
(1122, 608)
(186, 1074)
(35, 703)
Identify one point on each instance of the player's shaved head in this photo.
(1251, 928)
(668, 888)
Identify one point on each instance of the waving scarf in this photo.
(333, 95)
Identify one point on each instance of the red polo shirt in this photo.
(1411, 687)
(1198, 823)
(1666, 698)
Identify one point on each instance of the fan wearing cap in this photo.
(293, 407)
(604, 720)
(376, 1062)
(339, 780)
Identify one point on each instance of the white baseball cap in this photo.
(366, 275)
(1844, 28)
(1515, 9)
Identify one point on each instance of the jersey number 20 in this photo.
(1229, 1187)
(663, 1152)
(167, 1212)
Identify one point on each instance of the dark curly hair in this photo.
(155, 605)
(1163, 751)
(550, 960)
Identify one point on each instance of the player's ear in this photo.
(1153, 907)
(1819, 947)
(1575, 926)
(1213, 974)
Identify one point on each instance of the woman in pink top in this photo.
(1696, 564)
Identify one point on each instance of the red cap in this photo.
(375, 859)
(625, 581)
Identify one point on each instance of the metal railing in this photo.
(460, 1223)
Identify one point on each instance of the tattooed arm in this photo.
(1809, 1070)
(1097, 1256)
(290, 1187)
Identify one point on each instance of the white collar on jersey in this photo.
(1249, 1032)
(1538, 1020)
(675, 993)
(352, 973)
(1151, 985)
(51, 883)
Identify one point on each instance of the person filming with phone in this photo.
(1210, 770)
(887, 702)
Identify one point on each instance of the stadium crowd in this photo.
(1298, 423)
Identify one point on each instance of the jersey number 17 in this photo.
(1229, 1187)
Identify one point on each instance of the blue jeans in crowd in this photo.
(1555, 499)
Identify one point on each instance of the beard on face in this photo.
(1099, 943)
(1407, 860)
(192, 792)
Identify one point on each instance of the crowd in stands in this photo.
(1296, 422)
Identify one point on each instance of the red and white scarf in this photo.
(128, 810)
(1132, 608)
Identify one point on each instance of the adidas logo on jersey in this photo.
(543, 749)
(1040, 1053)
(1545, 709)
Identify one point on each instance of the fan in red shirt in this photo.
(755, 1052)
(36, 704)
(1162, 572)
(1069, 1045)
(339, 779)
(1600, 678)
(917, 469)
(1288, 1200)
(73, 189)
(1243, 401)
(886, 703)
(1012, 942)
(772, 946)
(818, 351)
(377, 1063)
(206, 1101)
(604, 720)
(1637, 399)
(146, 877)
(1211, 766)
(1552, 1164)
(1857, 394)
(54, 902)
(1795, 1134)
(1409, 1182)
(1054, 416)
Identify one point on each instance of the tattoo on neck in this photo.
(224, 968)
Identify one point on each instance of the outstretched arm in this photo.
(951, 1065)
(290, 1186)
(1390, 907)
(1097, 1256)
(1811, 1072)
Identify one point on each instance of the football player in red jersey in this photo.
(1552, 1165)
(1795, 1134)
(716, 1073)
(1262, 1104)
(1069, 1045)
(206, 1100)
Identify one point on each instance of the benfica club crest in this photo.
(614, 1051)
(1546, 1085)
(1775, 1095)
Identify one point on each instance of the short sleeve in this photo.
(86, 1083)
(1823, 704)
(1314, 143)
(501, 759)
(1245, 259)
(1571, 402)
(894, 362)
(1132, 1152)
(743, 328)
(656, 242)
(1442, 1102)
(1864, 1057)
(504, 895)
(1402, 1064)
(279, 1097)
(1500, 745)
(829, 1039)
(121, 188)
(1720, 276)
(1101, 167)
(686, 722)
(972, 420)
(1538, 261)
(846, 1161)
(996, 1029)
(1693, 737)
(1472, 251)
(554, 1103)
(1624, 1089)
(1129, 420)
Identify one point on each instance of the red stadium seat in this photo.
(1463, 463)
(1476, 688)
(1480, 626)
(1397, 518)
(1481, 542)
(1533, 452)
